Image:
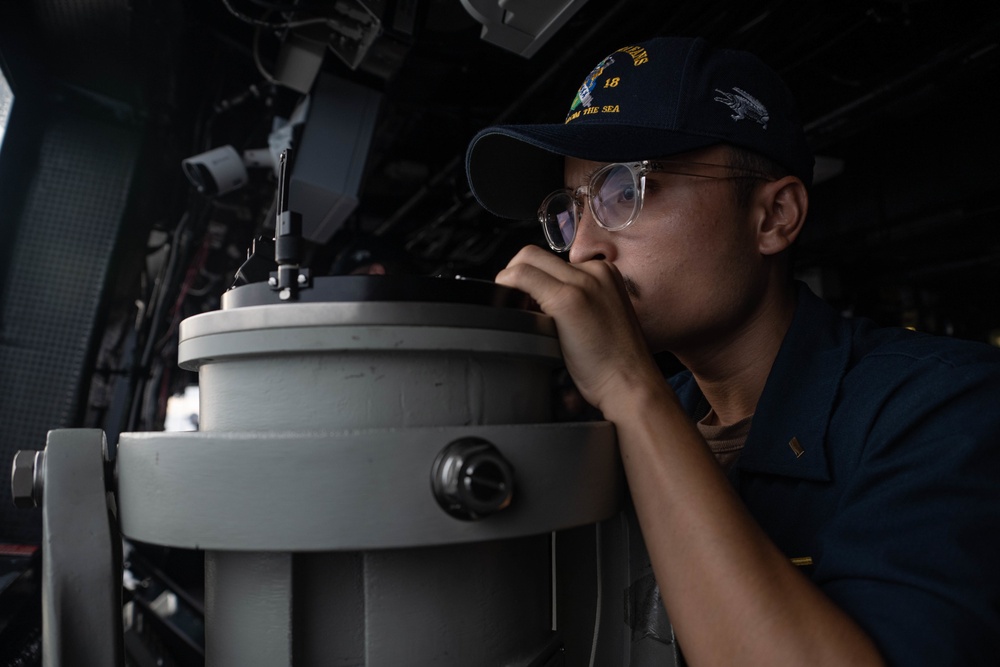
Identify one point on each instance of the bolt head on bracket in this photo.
(26, 478)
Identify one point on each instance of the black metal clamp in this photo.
(290, 276)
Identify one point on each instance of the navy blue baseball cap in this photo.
(654, 99)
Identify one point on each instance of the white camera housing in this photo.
(216, 172)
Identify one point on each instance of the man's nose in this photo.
(591, 241)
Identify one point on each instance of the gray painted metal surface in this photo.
(205, 349)
(355, 490)
(334, 366)
(81, 555)
(372, 313)
(345, 327)
(310, 483)
(477, 604)
(344, 390)
(249, 629)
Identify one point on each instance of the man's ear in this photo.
(782, 205)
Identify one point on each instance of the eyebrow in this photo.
(590, 174)
(587, 176)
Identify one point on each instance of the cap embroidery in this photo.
(583, 96)
(639, 55)
(744, 105)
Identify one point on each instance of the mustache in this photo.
(631, 287)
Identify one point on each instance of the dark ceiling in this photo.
(902, 94)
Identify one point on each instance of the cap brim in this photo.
(511, 168)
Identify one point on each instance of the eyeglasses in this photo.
(614, 195)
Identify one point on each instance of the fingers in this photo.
(550, 280)
(598, 331)
(533, 256)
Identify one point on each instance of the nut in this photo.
(22, 478)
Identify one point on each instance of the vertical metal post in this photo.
(248, 609)
(81, 555)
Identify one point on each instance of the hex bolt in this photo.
(27, 478)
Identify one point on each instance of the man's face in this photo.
(690, 259)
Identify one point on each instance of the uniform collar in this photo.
(788, 435)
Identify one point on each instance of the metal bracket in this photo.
(81, 547)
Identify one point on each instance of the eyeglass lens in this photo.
(614, 198)
(559, 219)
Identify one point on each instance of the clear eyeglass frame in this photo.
(560, 212)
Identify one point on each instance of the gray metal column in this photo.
(249, 595)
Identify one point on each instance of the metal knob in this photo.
(471, 479)
(26, 478)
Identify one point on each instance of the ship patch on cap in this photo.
(584, 97)
(744, 105)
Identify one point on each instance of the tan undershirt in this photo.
(725, 440)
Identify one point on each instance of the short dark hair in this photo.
(747, 160)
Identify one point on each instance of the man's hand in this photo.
(602, 343)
